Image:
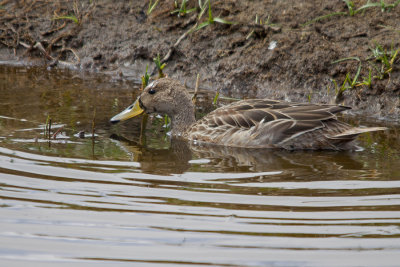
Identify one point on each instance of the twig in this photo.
(93, 130)
(57, 132)
(49, 133)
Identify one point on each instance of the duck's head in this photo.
(164, 96)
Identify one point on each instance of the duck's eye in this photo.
(152, 91)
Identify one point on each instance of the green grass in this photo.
(387, 59)
(352, 10)
(384, 7)
(259, 21)
(160, 66)
(211, 19)
(152, 6)
(383, 62)
(215, 100)
(69, 17)
(368, 80)
(182, 10)
(350, 82)
(145, 78)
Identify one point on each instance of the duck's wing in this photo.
(255, 123)
(249, 113)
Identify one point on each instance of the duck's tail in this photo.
(346, 139)
(353, 132)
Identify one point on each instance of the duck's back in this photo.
(264, 123)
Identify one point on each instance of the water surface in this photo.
(131, 197)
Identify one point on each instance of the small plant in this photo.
(348, 80)
(351, 10)
(69, 17)
(145, 78)
(339, 91)
(211, 19)
(368, 80)
(203, 7)
(384, 7)
(386, 59)
(350, 7)
(160, 66)
(152, 6)
(182, 11)
(215, 100)
(259, 21)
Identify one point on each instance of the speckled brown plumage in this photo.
(255, 123)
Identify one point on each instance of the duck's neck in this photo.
(182, 119)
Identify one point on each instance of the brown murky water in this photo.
(136, 199)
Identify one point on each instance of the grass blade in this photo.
(219, 20)
(202, 25)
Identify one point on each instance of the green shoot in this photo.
(387, 60)
(70, 17)
(160, 66)
(352, 11)
(182, 11)
(323, 17)
(351, 82)
(215, 100)
(211, 19)
(152, 6)
(339, 91)
(202, 7)
(368, 81)
(384, 7)
(350, 7)
(166, 120)
(145, 78)
(348, 81)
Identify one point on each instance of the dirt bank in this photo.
(277, 57)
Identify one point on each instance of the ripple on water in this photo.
(128, 201)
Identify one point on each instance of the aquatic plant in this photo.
(47, 127)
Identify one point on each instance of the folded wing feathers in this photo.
(272, 122)
(246, 114)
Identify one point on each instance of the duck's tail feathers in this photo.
(353, 132)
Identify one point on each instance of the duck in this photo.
(250, 123)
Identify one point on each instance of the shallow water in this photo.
(132, 198)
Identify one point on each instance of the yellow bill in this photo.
(130, 112)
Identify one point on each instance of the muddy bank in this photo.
(277, 57)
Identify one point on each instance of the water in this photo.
(132, 198)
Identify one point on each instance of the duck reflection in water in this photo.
(178, 158)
